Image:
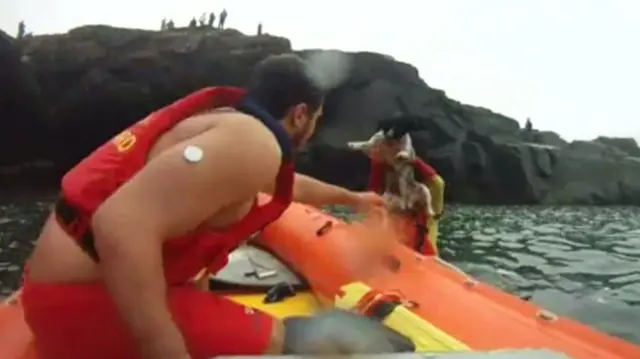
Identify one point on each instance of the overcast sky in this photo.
(570, 65)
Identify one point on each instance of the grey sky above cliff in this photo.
(573, 66)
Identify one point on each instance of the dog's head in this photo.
(404, 158)
(403, 152)
(370, 146)
(390, 150)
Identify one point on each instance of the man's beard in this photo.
(300, 139)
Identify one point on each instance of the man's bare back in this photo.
(58, 259)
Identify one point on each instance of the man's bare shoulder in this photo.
(248, 127)
(242, 138)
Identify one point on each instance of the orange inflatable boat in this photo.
(309, 260)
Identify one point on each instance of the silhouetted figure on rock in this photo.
(163, 25)
(193, 23)
(212, 19)
(22, 28)
(528, 131)
(202, 21)
(223, 19)
(528, 126)
(170, 25)
(260, 29)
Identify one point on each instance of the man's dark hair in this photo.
(281, 81)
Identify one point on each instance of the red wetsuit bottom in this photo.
(413, 235)
(79, 321)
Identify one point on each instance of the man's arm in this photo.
(168, 198)
(316, 193)
(436, 186)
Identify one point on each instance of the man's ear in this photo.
(299, 115)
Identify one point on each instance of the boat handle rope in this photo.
(324, 229)
(546, 315)
(14, 298)
(379, 305)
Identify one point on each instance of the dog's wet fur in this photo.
(404, 194)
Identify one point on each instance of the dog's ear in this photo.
(385, 124)
(396, 127)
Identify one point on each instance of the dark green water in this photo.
(583, 262)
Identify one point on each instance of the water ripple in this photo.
(577, 261)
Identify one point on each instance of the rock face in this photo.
(95, 80)
(23, 130)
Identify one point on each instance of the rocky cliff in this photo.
(62, 95)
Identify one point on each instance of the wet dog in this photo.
(403, 193)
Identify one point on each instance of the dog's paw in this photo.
(363, 146)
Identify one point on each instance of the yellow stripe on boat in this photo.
(302, 304)
(426, 336)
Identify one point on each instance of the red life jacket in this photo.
(86, 186)
(417, 231)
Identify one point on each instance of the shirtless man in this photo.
(174, 194)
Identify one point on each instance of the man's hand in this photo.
(363, 201)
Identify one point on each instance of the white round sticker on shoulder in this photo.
(193, 154)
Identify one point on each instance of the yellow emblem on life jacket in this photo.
(124, 141)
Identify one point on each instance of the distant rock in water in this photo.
(95, 80)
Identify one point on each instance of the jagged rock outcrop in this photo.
(95, 80)
(629, 146)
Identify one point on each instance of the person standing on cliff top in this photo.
(260, 29)
(22, 30)
(223, 19)
(164, 200)
(212, 19)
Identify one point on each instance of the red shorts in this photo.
(79, 321)
(411, 233)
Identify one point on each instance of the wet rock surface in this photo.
(22, 118)
(70, 92)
